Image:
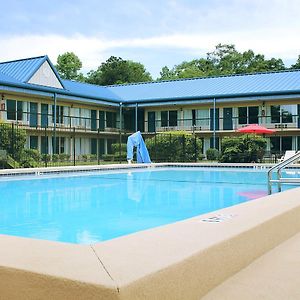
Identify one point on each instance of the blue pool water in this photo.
(101, 206)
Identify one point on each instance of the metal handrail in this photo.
(278, 168)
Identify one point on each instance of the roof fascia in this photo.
(38, 90)
(217, 96)
(211, 99)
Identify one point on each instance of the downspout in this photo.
(214, 125)
(54, 132)
(136, 117)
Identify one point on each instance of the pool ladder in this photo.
(278, 169)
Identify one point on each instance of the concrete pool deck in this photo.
(206, 255)
(275, 275)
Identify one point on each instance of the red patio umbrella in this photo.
(255, 128)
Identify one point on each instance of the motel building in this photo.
(64, 116)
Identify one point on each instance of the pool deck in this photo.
(247, 251)
(275, 275)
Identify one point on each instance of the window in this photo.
(44, 145)
(14, 110)
(59, 114)
(85, 117)
(62, 145)
(248, 115)
(283, 113)
(253, 114)
(281, 144)
(194, 117)
(55, 145)
(173, 118)
(44, 115)
(275, 114)
(111, 119)
(287, 113)
(93, 146)
(202, 117)
(59, 146)
(242, 115)
(33, 142)
(164, 119)
(169, 118)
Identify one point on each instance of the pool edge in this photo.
(184, 260)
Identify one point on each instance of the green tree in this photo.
(224, 60)
(297, 64)
(117, 71)
(68, 65)
(166, 74)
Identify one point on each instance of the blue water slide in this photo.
(136, 140)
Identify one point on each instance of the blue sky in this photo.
(155, 33)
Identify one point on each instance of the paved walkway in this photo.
(275, 275)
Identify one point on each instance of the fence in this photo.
(23, 147)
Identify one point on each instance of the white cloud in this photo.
(92, 50)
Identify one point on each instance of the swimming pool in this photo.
(88, 208)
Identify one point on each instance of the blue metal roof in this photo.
(90, 90)
(209, 87)
(6, 78)
(17, 73)
(23, 69)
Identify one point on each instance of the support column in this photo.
(214, 125)
(120, 133)
(54, 130)
(136, 117)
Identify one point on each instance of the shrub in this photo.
(55, 157)
(212, 154)
(64, 157)
(175, 147)
(120, 156)
(8, 133)
(93, 157)
(30, 158)
(244, 149)
(84, 157)
(116, 148)
(46, 157)
(108, 157)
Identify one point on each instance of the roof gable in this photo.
(45, 76)
(35, 70)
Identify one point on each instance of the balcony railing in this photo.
(89, 124)
(221, 124)
(37, 121)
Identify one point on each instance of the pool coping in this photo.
(183, 260)
(73, 169)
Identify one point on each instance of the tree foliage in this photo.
(297, 64)
(68, 65)
(243, 149)
(225, 59)
(117, 71)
